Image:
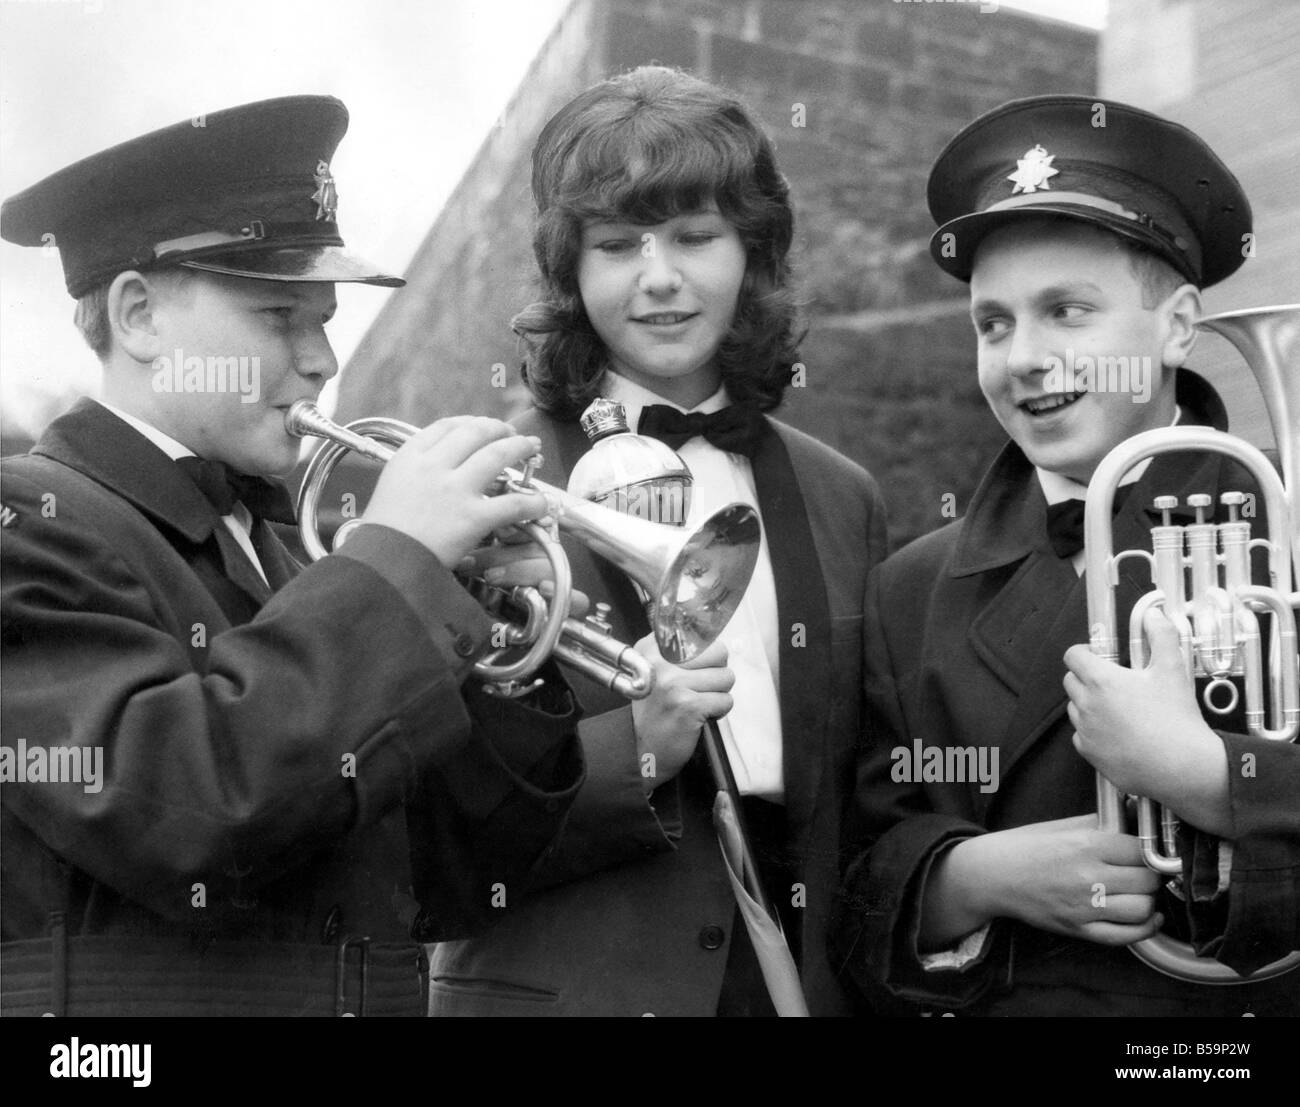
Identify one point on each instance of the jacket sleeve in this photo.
(478, 829)
(1258, 921)
(892, 839)
(237, 756)
(612, 821)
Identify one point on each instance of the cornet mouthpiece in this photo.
(304, 418)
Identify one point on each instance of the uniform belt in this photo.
(105, 975)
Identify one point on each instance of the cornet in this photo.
(1201, 574)
(694, 580)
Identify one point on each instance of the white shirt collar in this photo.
(164, 442)
(634, 397)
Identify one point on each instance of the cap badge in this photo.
(326, 195)
(1033, 171)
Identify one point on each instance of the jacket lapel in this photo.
(95, 442)
(237, 568)
(805, 682)
(1028, 636)
(279, 565)
(1037, 613)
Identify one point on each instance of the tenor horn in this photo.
(695, 580)
(1202, 579)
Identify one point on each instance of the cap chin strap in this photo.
(1051, 196)
(1087, 200)
(257, 230)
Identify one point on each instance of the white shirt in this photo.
(239, 523)
(751, 731)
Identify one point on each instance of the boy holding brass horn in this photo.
(1085, 229)
(281, 789)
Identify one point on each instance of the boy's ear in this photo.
(1179, 311)
(131, 303)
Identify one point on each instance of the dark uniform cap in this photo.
(246, 191)
(1138, 175)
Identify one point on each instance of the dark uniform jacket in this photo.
(640, 918)
(966, 630)
(292, 770)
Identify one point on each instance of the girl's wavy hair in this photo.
(643, 148)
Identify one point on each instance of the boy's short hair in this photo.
(644, 147)
(90, 316)
(1156, 277)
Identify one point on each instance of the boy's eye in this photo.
(992, 327)
(1071, 312)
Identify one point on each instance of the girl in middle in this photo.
(663, 227)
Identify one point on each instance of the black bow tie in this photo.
(736, 429)
(223, 487)
(1065, 522)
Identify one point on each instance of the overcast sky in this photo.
(424, 81)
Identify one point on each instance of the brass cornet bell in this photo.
(1201, 574)
(694, 580)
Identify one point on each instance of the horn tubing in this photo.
(1268, 338)
(375, 439)
(1161, 952)
(695, 578)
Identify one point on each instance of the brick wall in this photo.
(882, 86)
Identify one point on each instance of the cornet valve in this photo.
(599, 619)
(1164, 505)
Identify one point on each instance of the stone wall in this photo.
(1229, 70)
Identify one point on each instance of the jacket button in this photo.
(712, 937)
(329, 932)
(463, 645)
